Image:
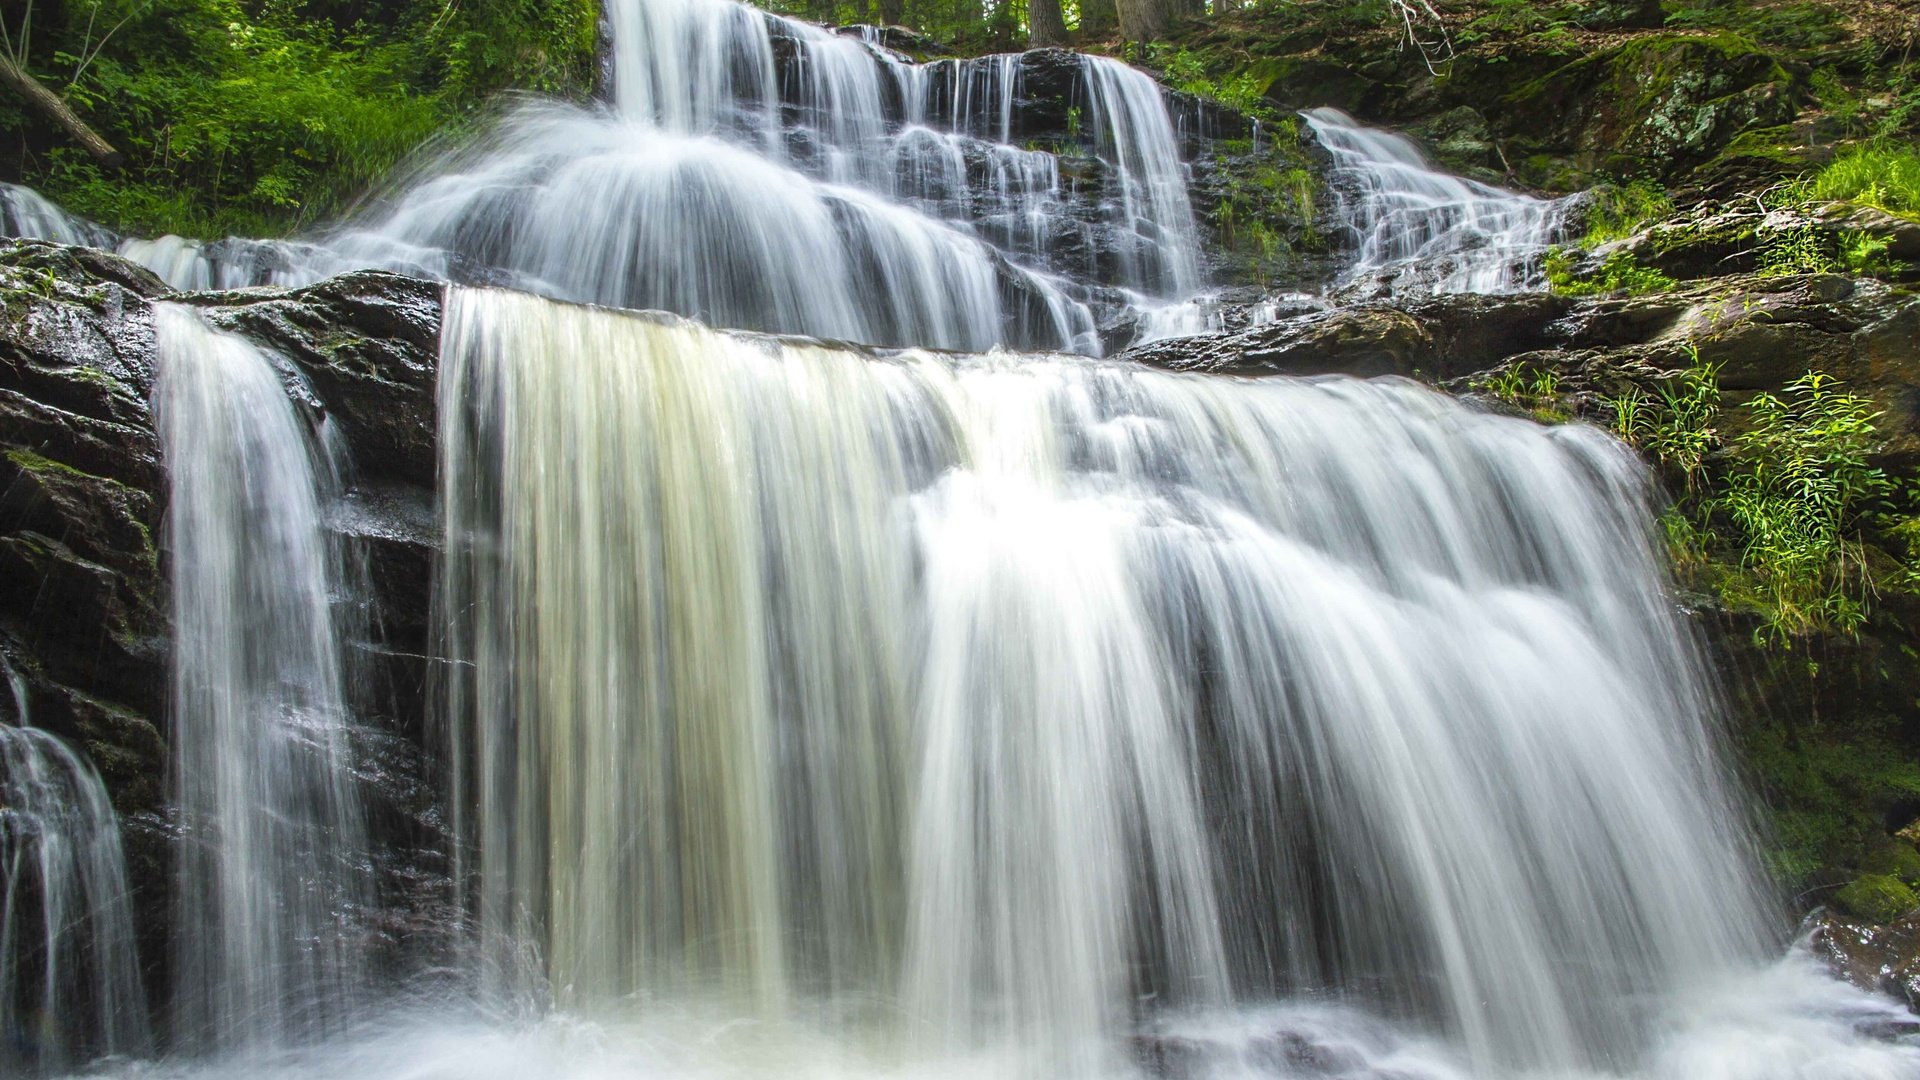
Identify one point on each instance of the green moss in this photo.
(1881, 898)
(32, 462)
(1618, 273)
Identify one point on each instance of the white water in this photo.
(25, 212)
(859, 197)
(69, 979)
(975, 715)
(273, 863)
(1421, 230)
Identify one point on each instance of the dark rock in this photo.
(1878, 959)
(368, 342)
(1345, 341)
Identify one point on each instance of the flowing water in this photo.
(1022, 713)
(25, 212)
(1421, 230)
(816, 710)
(273, 863)
(69, 981)
(758, 172)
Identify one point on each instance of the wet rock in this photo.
(1879, 958)
(368, 342)
(1344, 341)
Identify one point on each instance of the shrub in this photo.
(1885, 176)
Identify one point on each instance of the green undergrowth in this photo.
(1780, 500)
(1782, 513)
(259, 117)
(1885, 176)
(1618, 273)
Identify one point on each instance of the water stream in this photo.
(272, 869)
(69, 980)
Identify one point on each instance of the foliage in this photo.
(1545, 26)
(1615, 212)
(258, 117)
(1787, 496)
(1801, 24)
(1801, 486)
(1619, 272)
(1186, 71)
(1535, 391)
(1882, 175)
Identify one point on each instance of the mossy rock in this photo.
(1881, 898)
(1659, 104)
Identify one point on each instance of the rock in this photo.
(1882, 959)
(1346, 341)
(368, 342)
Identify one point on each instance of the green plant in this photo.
(1534, 390)
(1884, 175)
(1617, 212)
(1799, 250)
(1619, 272)
(1800, 483)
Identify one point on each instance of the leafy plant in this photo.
(1617, 212)
(1886, 176)
(1801, 483)
(1619, 272)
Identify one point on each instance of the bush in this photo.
(258, 118)
(1884, 176)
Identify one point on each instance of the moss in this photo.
(1618, 273)
(32, 462)
(1881, 898)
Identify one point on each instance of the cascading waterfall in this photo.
(1431, 231)
(273, 867)
(26, 212)
(842, 193)
(1010, 705)
(69, 978)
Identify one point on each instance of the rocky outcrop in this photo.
(1880, 958)
(83, 586)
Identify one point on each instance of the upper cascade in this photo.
(1421, 231)
(756, 172)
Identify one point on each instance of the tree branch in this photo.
(56, 110)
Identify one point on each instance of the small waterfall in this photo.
(1006, 694)
(69, 980)
(273, 866)
(1429, 231)
(25, 212)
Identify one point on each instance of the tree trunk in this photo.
(56, 110)
(1143, 20)
(1046, 26)
(892, 11)
(1096, 19)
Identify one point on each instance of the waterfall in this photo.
(1429, 231)
(762, 173)
(1013, 693)
(69, 980)
(25, 212)
(273, 865)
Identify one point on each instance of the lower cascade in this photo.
(274, 866)
(668, 699)
(1021, 710)
(69, 980)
